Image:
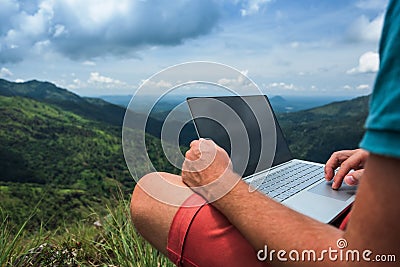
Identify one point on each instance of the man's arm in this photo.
(262, 221)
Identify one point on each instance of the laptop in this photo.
(247, 128)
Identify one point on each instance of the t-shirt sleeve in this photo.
(383, 123)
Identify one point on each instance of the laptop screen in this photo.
(245, 126)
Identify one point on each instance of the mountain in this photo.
(65, 162)
(315, 133)
(337, 118)
(277, 99)
(90, 108)
(46, 92)
(280, 104)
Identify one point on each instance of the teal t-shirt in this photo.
(383, 123)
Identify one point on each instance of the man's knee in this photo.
(151, 216)
(140, 204)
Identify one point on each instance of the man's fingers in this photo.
(201, 143)
(354, 177)
(329, 171)
(201, 151)
(194, 143)
(194, 152)
(334, 162)
(190, 155)
(339, 176)
(345, 168)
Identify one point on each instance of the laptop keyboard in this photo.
(288, 180)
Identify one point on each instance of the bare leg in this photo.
(212, 240)
(152, 217)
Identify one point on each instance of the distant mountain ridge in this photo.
(47, 92)
(91, 108)
(312, 134)
(37, 90)
(280, 104)
(277, 99)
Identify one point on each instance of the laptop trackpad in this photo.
(325, 189)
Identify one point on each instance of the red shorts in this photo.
(202, 236)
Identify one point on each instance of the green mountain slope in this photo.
(89, 108)
(49, 93)
(67, 161)
(44, 136)
(315, 133)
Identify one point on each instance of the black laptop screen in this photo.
(244, 117)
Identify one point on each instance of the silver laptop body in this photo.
(295, 183)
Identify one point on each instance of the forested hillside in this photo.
(68, 162)
(314, 134)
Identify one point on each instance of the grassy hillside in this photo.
(60, 170)
(112, 242)
(58, 158)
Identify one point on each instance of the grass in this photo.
(114, 242)
(9, 243)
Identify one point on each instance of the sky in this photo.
(109, 47)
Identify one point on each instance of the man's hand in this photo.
(205, 162)
(347, 160)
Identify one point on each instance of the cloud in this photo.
(8, 9)
(76, 84)
(372, 4)
(239, 82)
(368, 63)
(97, 28)
(359, 87)
(364, 29)
(282, 86)
(89, 63)
(95, 81)
(251, 7)
(4, 73)
(96, 78)
(294, 44)
(362, 87)
(156, 84)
